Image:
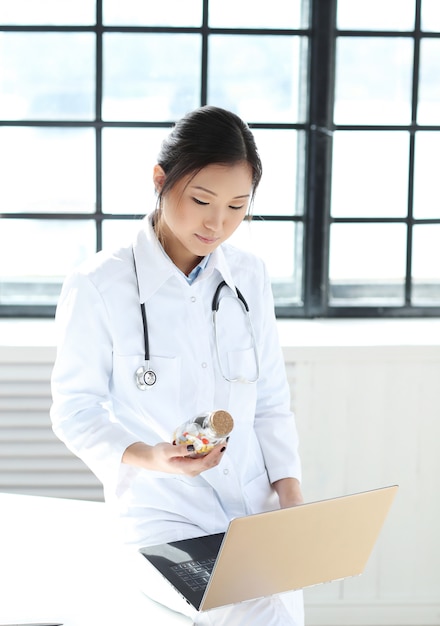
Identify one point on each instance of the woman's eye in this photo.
(236, 207)
(197, 201)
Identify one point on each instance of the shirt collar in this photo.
(197, 270)
(154, 267)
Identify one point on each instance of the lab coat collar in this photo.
(154, 267)
(217, 261)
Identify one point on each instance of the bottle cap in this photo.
(222, 422)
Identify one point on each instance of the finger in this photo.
(214, 457)
(194, 465)
(181, 450)
(220, 448)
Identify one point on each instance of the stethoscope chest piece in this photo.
(144, 378)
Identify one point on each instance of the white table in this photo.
(57, 564)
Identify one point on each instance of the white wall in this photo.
(367, 401)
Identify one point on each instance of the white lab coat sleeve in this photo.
(81, 411)
(274, 421)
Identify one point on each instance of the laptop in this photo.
(274, 552)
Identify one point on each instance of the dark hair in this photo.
(208, 135)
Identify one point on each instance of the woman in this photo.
(119, 423)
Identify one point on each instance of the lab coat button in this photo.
(226, 471)
(204, 365)
(193, 298)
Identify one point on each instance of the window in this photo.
(342, 98)
(384, 222)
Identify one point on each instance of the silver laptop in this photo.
(268, 553)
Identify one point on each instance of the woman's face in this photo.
(200, 212)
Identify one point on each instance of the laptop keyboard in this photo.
(195, 574)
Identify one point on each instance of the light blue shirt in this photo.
(197, 270)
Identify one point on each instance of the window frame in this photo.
(318, 128)
(322, 129)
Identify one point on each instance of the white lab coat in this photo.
(98, 411)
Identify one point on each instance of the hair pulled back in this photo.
(208, 135)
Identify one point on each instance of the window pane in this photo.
(373, 80)
(426, 176)
(128, 158)
(367, 264)
(116, 233)
(370, 174)
(47, 170)
(426, 264)
(251, 14)
(260, 78)
(47, 76)
(35, 256)
(150, 77)
(429, 87)
(280, 244)
(163, 13)
(47, 12)
(431, 15)
(281, 191)
(376, 14)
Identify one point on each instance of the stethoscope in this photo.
(146, 377)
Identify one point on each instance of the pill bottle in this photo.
(203, 432)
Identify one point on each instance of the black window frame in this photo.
(321, 132)
(319, 128)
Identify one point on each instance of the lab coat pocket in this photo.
(170, 500)
(155, 405)
(260, 495)
(242, 395)
(195, 500)
(242, 366)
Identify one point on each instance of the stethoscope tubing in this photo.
(215, 307)
(145, 327)
(146, 377)
(216, 298)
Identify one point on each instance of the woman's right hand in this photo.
(172, 459)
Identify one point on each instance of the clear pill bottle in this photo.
(204, 432)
